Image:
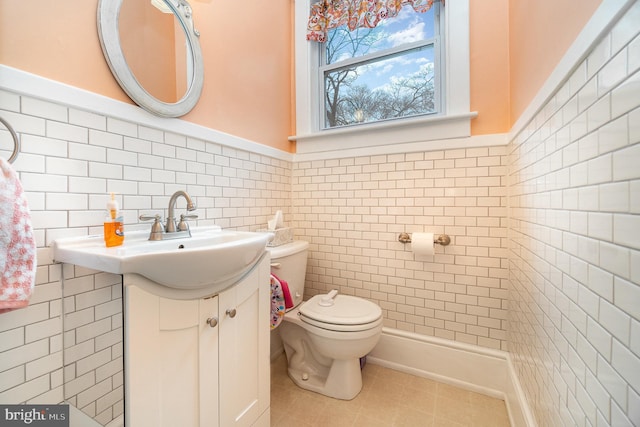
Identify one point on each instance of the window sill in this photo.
(398, 135)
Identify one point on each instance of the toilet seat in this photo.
(341, 328)
(346, 314)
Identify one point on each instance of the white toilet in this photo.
(324, 337)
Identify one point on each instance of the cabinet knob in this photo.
(212, 321)
(231, 312)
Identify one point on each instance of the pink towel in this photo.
(17, 244)
(288, 301)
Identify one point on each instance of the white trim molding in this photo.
(467, 366)
(489, 140)
(427, 128)
(23, 83)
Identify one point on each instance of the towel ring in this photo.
(16, 141)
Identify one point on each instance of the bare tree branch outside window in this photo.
(382, 86)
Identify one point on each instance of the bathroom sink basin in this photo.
(209, 261)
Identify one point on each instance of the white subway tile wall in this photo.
(93, 342)
(544, 260)
(574, 239)
(352, 211)
(69, 161)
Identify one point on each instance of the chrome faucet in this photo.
(171, 220)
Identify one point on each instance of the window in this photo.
(383, 73)
(440, 120)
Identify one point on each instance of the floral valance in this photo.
(328, 14)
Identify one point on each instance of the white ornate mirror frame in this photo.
(108, 31)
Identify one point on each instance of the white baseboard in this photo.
(474, 368)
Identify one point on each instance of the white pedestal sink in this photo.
(195, 324)
(204, 264)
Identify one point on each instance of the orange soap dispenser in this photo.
(113, 228)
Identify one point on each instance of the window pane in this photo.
(407, 27)
(393, 86)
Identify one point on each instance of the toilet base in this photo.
(343, 380)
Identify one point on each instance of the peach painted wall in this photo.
(489, 65)
(248, 84)
(247, 89)
(247, 69)
(57, 40)
(539, 35)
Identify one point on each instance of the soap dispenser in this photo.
(113, 227)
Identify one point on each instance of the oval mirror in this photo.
(153, 51)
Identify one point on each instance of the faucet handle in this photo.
(156, 229)
(182, 225)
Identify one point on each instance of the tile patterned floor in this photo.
(388, 398)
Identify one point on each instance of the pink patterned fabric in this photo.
(17, 244)
(328, 14)
(277, 302)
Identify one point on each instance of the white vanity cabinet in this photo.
(202, 362)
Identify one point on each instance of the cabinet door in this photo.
(171, 361)
(244, 349)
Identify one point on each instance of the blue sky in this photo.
(407, 27)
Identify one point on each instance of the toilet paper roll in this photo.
(422, 246)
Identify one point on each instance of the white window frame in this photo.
(417, 132)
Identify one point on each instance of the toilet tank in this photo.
(289, 263)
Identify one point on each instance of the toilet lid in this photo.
(346, 310)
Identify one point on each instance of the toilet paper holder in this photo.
(442, 239)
